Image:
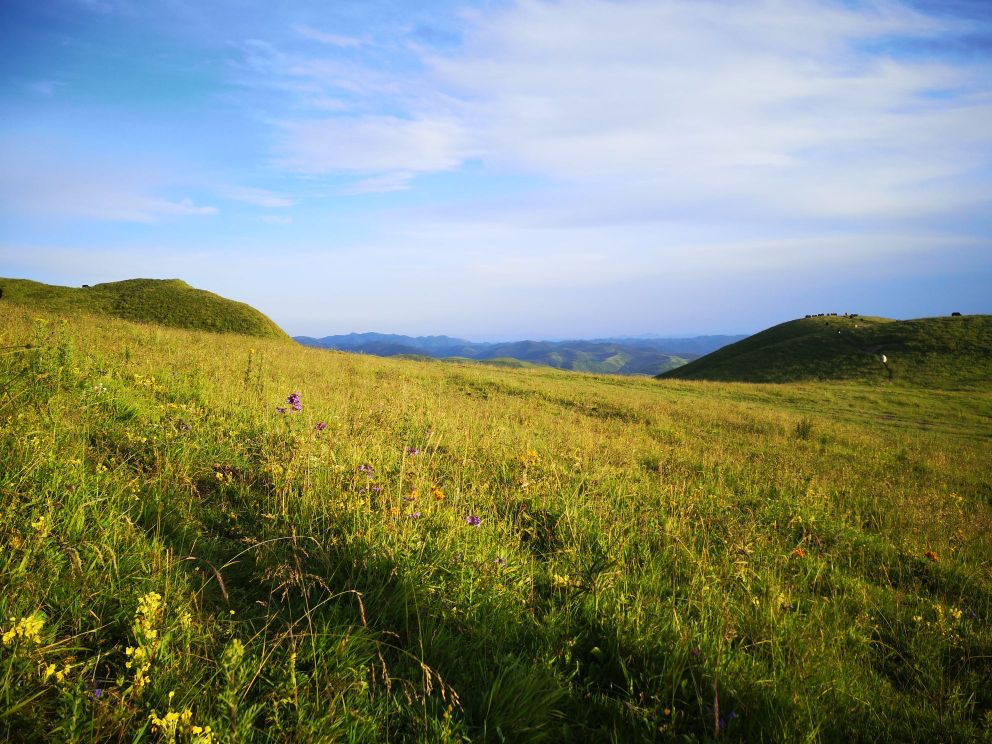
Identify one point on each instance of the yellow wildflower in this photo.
(146, 635)
(166, 725)
(529, 457)
(28, 628)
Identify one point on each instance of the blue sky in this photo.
(506, 169)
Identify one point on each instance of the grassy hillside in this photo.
(946, 352)
(586, 356)
(444, 552)
(169, 302)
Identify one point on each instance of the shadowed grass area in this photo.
(652, 560)
(169, 302)
(946, 352)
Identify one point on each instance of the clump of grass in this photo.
(804, 428)
(421, 552)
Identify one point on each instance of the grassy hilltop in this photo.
(945, 352)
(444, 552)
(170, 302)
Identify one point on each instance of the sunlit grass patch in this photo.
(415, 551)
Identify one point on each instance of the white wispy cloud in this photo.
(804, 108)
(257, 197)
(774, 104)
(374, 145)
(38, 181)
(336, 40)
(397, 181)
(46, 88)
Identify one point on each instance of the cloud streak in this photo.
(786, 108)
(374, 145)
(38, 182)
(257, 197)
(336, 40)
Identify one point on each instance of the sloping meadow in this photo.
(214, 538)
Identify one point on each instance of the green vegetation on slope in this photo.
(651, 561)
(946, 352)
(169, 302)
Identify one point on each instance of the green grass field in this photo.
(946, 352)
(447, 552)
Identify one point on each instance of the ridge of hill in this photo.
(628, 356)
(945, 352)
(170, 302)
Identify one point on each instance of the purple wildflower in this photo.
(280, 410)
(473, 520)
(724, 720)
(501, 561)
(366, 468)
(415, 515)
(376, 487)
(294, 401)
(320, 426)
(412, 451)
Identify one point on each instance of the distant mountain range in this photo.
(628, 356)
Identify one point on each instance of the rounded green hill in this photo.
(945, 352)
(170, 302)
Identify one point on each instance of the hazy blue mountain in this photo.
(686, 347)
(446, 345)
(631, 356)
